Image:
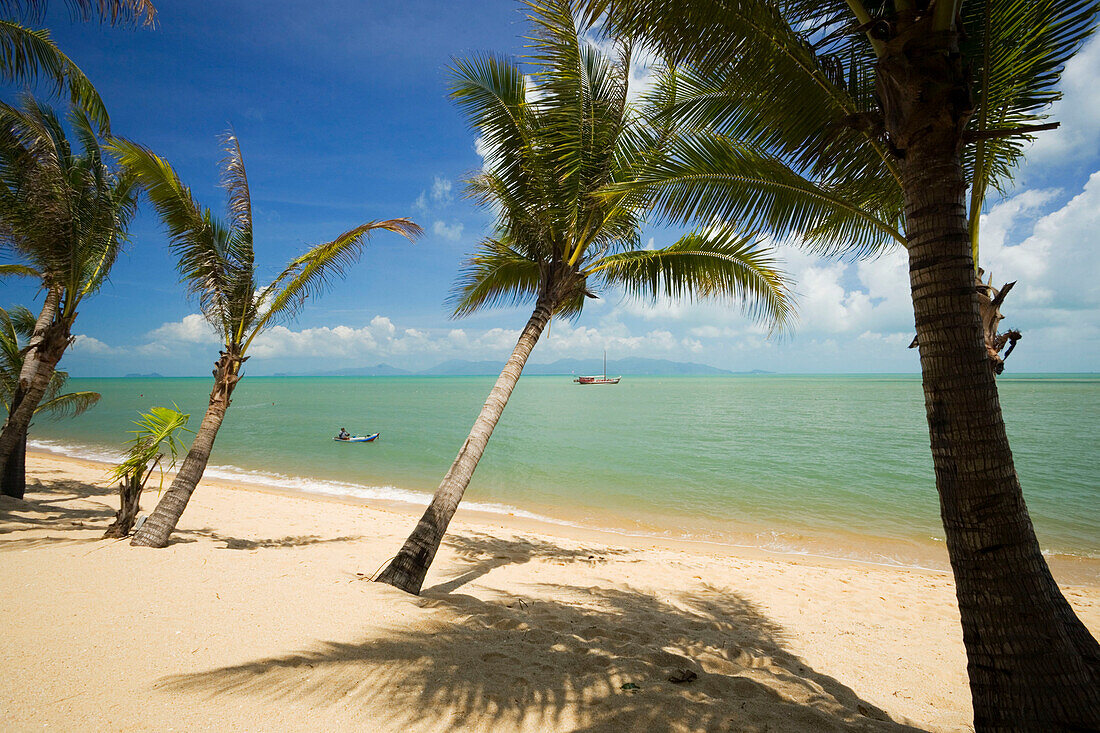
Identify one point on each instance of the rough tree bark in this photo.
(45, 349)
(15, 471)
(407, 570)
(1033, 666)
(158, 528)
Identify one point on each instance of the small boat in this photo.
(604, 379)
(357, 439)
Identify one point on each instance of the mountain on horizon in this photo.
(630, 366)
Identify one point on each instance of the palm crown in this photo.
(65, 210)
(785, 106)
(216, 259)
(558, 140)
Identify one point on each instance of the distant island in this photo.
(150, 375)
(632, 366)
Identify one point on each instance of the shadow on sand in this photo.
(242, 543)
(49, 506)
(565, 661)
(46, 506)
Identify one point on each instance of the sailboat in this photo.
(604, 379)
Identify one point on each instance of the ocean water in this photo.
(832, 465)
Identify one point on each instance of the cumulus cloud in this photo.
(192, 329)
(90, 345)
(1078, 111)
(1056, 264)
(451, 231)
(439, 196)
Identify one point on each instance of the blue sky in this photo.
(343, 116)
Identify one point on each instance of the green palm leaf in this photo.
(310, 274)
(719, 264)
(157, 431)
(209, 260)
(496, 274)
(68, 405)
(28, 55)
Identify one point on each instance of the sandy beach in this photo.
(259, 616)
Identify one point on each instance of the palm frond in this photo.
(15, 270)
(28, 55)
(310, 274)
(496, 274)
(199, 241)
(68, 405)
(115, 12)
(157, 431)
(718, 264)
(707, 177)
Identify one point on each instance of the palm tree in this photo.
(851, 122)
(16, 328)
(557, 140)
(28, 55)
(217, 264)
(155, 434)
(64, 215)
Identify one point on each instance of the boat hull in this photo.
(358, 439)
(597, 380)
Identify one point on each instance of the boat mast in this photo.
(605, 363)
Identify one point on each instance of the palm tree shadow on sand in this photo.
(557, 662)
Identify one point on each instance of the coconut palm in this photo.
(556, 139)
(217, 264)
(16, 328)
(28, 55)
(156, 433)
(64, 214)
(849, 123)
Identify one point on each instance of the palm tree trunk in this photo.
(129, 501)
(160, 525)
(407, 570)
(45, 349)
(1032, 664)
(15, 471)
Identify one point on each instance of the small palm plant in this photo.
(16, 329)
(156, 433)
(216, 262)
(64, 216)
(558, 139)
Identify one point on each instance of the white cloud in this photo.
(90, 345)
(441, 191)
(1056, 264)
(448, 231)
(192, 329)
(1078, 111)
(439, 196)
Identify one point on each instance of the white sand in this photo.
(256, 618)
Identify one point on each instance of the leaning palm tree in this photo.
(216, 261)
(557, 139)
(28, 55)
(16, 328)
(853, 122)
(64, 214)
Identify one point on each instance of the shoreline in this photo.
(1071, 570)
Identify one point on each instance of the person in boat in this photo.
(344, 434)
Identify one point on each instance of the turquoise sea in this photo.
(832, 465)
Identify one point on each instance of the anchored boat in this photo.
(604, 379)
